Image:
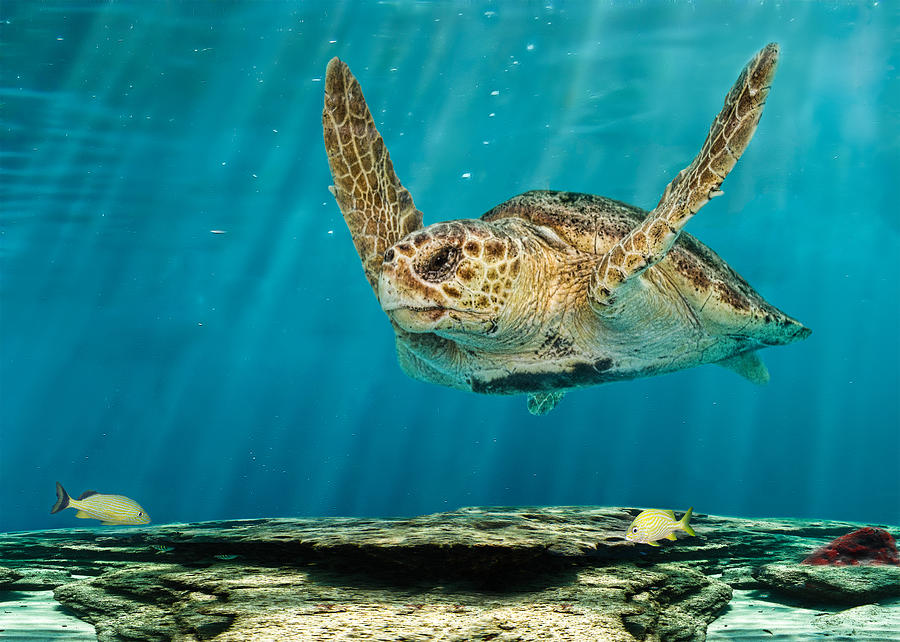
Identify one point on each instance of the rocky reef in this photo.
(473, 574)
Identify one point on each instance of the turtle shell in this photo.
(720, 299)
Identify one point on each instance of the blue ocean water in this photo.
(252, 373)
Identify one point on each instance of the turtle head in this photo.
(453, 279)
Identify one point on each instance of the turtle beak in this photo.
(388, 294)
(417, 314)
(399, 287)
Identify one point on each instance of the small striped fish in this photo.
(109, 509)
(651, 525)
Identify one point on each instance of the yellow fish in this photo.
(651, 525)
(109, 509)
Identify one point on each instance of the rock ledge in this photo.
(472, 574)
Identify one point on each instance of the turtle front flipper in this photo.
(728, 137)
(378, 210)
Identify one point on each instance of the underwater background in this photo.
(252, 373)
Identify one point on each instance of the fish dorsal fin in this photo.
(87, 494)
(749, 365)
(669, 513)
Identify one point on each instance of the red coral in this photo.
(865, 546)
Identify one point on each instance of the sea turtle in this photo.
(554, 290)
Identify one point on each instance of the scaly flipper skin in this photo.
(728, 137)
(378, 210)
(540, 403)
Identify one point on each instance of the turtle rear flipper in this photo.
(378, 210)
(540, 403)
(728, 137)
(749, 365)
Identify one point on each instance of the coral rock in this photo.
(7, 577)
(864, 546)
(832, 585)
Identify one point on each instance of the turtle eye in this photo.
(389, 255)
(439, 264)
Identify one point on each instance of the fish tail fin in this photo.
(62, 499)
(683, 524)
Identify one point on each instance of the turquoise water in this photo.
(252, 373)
